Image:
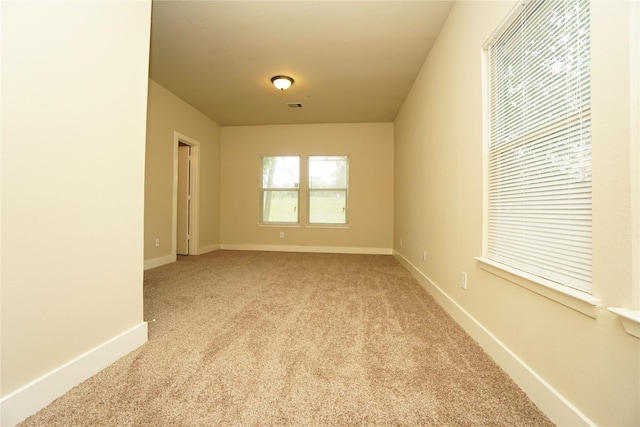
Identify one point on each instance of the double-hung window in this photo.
(328, 179)
(327, 190)
(280, 189)
(539, 160)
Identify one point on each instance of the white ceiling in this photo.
(352, 61)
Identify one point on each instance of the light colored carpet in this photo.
(294, 339)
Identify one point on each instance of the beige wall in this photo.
(168, 114)
(72, 192)
(592, 362)
(370, 151)
(73, 133)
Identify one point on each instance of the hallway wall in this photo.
(582, 354)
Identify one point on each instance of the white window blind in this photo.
(539, 195)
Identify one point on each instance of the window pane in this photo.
(280, 172)
(279, 206)
(540, 69)
(327, 172)
(328, 207)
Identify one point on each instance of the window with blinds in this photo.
(539, 160)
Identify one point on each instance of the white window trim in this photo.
(279, 225)
(262, 222)
(579, 301)
(309, 224)
(303, 192)
(634, 109)
(630, 319)
(292, 225)
(345, 226)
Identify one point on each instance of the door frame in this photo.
(194, 178)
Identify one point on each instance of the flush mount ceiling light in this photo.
(282, 82)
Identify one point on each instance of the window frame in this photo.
(264, 190)
(336, 189)
(577, 299)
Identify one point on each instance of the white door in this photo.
(184, 199)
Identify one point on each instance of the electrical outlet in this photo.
(282, 234)
(424, 255)
(463, 280)
(157, 242)
(401, 241)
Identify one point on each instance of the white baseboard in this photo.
(206, 249)
(34, 396)
(548, 399)
(315, 249)
(157, 262)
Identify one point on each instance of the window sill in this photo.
(286, 225)
(630, 320)
(326, 226)
(572, 298)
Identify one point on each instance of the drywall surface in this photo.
(74, 96)
(370, 204)
(168, 114)
(588, 359)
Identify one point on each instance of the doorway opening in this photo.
(183, 236)
(185, 216)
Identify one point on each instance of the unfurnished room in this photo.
(320, 213)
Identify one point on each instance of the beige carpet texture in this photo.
(295, 339)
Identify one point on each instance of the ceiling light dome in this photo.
(282, 82)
